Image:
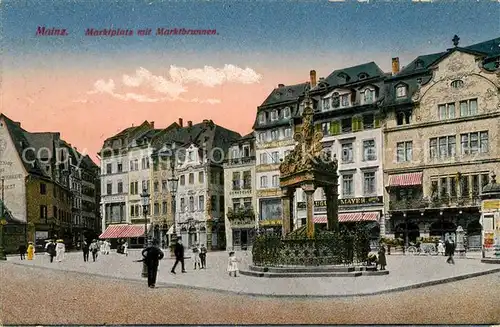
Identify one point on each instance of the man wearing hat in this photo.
(152, 256)
(50, 247)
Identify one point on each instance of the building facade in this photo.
(240, 198)
(441, 141)
(273, 130)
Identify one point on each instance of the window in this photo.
(404, 151)
(236, 180)
(475, 184)
(369, 152)
(346, 125)
(247, 203)
(183, 205)
(262, 118)
(191, 178)
(275, 135)
(247, 179)
(347, 185)
(43, 188)
(368, 96)
(276, 180)
(468, 108)
(164, 185)
(235, 154)
(369, 183)
(43, 213)
(274, 115)
(156, 186)
(275, 157)
(442, 147)
(457, 84)
(286, 113)
(120, 187)
(156, 209)
(444, 187)
(335, 100)
(400, 91)
(344, 100)
(246, 151)
(326, 104)
(419, 64)
(109, 188)
(108, 168)
(262, 137)
(453, 186)
(484, 180)
(446, 111)
(182, 180)
(347, 153)
(213, 202)
(368, 121)
(403, 118)
(288, 132)
(201, 203)
(236, 204)
(201, 177)
(191, 203)
(263, 182)
(270, 209)
(473, 143)
(325, 128)
(464, 184)
(164, 208)
(134, 187)
(145, 163)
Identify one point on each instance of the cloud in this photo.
(173, 87)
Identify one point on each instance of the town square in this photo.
(239, 170)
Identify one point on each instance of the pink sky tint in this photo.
(45, 101)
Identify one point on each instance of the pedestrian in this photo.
(125, 248)
(60, 250)
(86, 250)
(94, 248)
(107, 247)
(203, 256)
(22, 251)
(381, 257)
(440, 248)
(450, 250)
(179, 256)
(151, 257)
(232, 265)
(196, 256)
(31, 251)
(51, 250)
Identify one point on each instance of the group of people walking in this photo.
(54, 249)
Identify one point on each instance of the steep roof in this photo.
(371, 69)
(285, 93)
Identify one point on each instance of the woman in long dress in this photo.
(60, 250)
(125, 248)
(232, 265)
(31, 251)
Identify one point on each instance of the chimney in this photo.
(152, 123)
(190, 123)
(395, 65)
(281, 85)
(180, 122)
(312, 74)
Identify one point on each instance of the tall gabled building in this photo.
(273, 130)
(441, 140)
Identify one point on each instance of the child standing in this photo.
(232, 265)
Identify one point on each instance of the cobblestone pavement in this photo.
(30, 295)
(404, 271)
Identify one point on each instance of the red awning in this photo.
(350, 217)
(408, 179)
(123, 231)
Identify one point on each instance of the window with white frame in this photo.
(276, 180)
(288, 132)
(182, 205)
(274, 115)
(262, 118)
(446, 111)
(275, 135)
(473, 143)
(325, 128)
(401, 91)
(369, 151)
(348, 185)
(404, 151)
(275, 157)
(344, 100)
(262, 137)
(191, 178)
(442, 147)
(201, 202)
(263, 158)
(326, 104)
(286, 113)
(347, 153)
(263, 181)
(191, 203)
(368, 96)
(369, 183)
(190, 155)
(468, 108)
(235, 153)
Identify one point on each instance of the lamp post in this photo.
(145, 206)
(173, 182)
(2, 222)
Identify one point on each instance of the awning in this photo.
(170, 230)
(350, 217)
(124, 231)
(408, 179)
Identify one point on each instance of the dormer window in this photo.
(344, 76)
(262, 118)
(344, 100)
(335, 100)
(235, 154)
(286, 113)
(368, 96)
(363, 76)
(326, 104)
(290, 92)
(401, 91)
(419, 64)
(277, 95)
(274, 115)
(457, 84)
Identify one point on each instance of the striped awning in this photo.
(123, 231)
(350, 217)
(409, 179)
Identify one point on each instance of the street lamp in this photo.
(145, 207)
(173, 183)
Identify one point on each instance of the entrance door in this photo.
(244, 238)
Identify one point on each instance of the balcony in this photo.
(240, 161)
(435, 203)
(243, 213)
(408, 204)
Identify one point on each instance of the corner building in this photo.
(441, 140)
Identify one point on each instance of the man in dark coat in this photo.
(152, 256)
(179, 256)
(51, 250)
(86, 251)
(22, 250)
(450, 250)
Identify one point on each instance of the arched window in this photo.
(419, 64)
(363, 76)
(191, 203)
(457, 84)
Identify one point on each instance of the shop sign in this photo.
(241, 192)
(270, 222)
(345, 202)
(264, 193)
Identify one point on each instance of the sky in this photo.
(88, 88)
